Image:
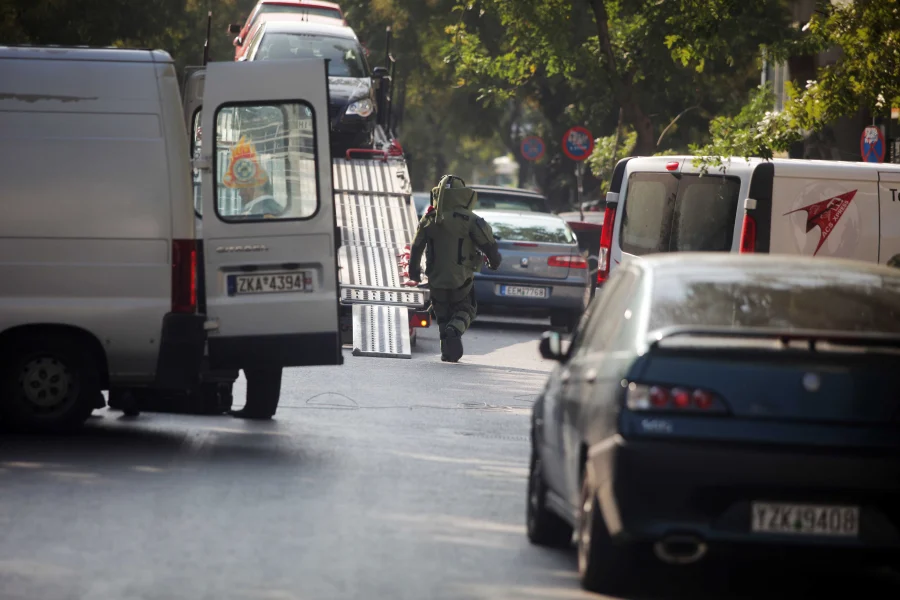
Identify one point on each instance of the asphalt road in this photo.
(382, 479)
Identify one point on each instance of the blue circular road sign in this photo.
(871, 145)
(578, 143)
(532, 148)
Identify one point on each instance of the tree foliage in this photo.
(866, 35)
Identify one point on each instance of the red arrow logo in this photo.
(825, 215)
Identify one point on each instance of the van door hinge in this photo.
(203, 163)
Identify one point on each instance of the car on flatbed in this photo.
(352, 103)
(317, 9)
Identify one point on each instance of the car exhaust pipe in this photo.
(680, 549)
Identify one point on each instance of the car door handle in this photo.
(590, 375)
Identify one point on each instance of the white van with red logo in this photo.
(781, 206)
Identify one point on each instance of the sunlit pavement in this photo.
(382, 479)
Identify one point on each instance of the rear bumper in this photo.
(181, 347)
(651, 489)
(564, 293)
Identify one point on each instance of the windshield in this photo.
(524, 228)
(345, 56)
(776, 297)
(501, 201)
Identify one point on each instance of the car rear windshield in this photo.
(777, 297)
(345, 56)
(679, 213)
(293, 9)
(501, 201)
(522, 228)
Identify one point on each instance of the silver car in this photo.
(542, 270)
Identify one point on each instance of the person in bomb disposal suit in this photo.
(452, 235)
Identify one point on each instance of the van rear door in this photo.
(269, 228)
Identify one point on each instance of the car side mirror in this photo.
(234, 29)
(379, 72)
(551, 346)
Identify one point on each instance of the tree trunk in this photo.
(623, 89)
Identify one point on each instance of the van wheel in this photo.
(545, 528)
(49, 384)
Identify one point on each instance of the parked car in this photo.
(493, 197)
(542, 270)
(712, 403)
(352, 105)
(303, 8)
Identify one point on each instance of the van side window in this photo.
(265, 162)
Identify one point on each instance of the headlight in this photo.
(363, 108)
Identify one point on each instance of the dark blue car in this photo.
(716, 403)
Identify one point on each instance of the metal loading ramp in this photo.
(377, 221)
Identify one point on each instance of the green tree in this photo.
(866, 33)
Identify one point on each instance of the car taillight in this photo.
(184, 276)
(606, 235)
(748, 235)
(641, 397)
(572, 262)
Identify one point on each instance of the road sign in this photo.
(578, 143)
(532, 148)
(871, 145)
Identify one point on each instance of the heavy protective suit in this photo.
(451, 236)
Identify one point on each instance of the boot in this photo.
(451, 346)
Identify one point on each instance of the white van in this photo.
(103, 275)
(782, 206)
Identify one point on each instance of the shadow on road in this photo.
(111, 440)
(496, 322)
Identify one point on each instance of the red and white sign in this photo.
(577, 143)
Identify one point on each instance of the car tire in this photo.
(603, 566)
(48, 384)
(544, 527)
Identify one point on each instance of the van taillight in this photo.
(748, 235)
(184, 276)
(606, 235)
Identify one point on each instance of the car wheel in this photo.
(49, 383)
(564, 319)
(602, 566)
(544, 527)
